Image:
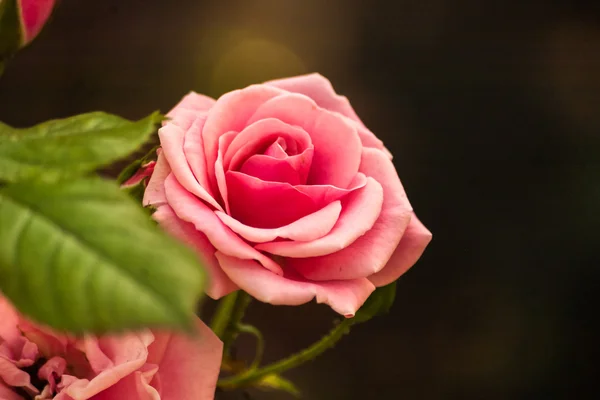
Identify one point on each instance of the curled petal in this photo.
(133, 387)
(224, 141)
(122, 363)
(370, 252)
(360, 211)
(219, 283)
(48, 343)
(329, 133)
(318, 88)
(14, 376)
(172, 141)
(231, 113)
(260, 134)
(263, 204)
(344, 297)
(193, 148)
(190, 209)
(186, 111)
(310, 227)
(411, 247)
(293, 169)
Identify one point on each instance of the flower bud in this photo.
(20, 22)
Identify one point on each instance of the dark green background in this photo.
(491, 109)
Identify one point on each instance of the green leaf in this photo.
(66, 148)
(378, 303)
(82, 256)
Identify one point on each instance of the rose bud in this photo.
(20, 22)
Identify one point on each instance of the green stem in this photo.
(220, 320)
(290, 362)
(242, 302)
(260, 343)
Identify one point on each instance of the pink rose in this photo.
(34, 14)
(38, 363)
(286, 194)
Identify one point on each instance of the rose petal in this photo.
(127, 354)
(224, 142)
(188, 365)
(344, 297)
(360, 211)
(277, 149)
(263, 204)
(13, 376)
(190, 209)
(329, 132)
(10, 319)
(93, 353)
(219, 284)
(411, 247)
(106, 352)
(369, 139)
(20, 351)
(310, 227)
(54, 366)
(7, 394)
(154, 195)
(318, 88)
(369, 253)
(231, 113)
(260, 134)
(48, 343)
(133, 387)
(193, 149)
(290, 169)
(172, 140)
(187, 110)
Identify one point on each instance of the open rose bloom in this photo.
(286, 194)
(36, 363)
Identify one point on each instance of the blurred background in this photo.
(492, 110)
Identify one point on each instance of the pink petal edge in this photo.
(308, 228)
(360, 211)
(190, 209)
(189, 107)
(231, 113)
(172, 140)
(329, 132)
(411, 247)
(344, 297)
(320, 89)
(369, 253)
